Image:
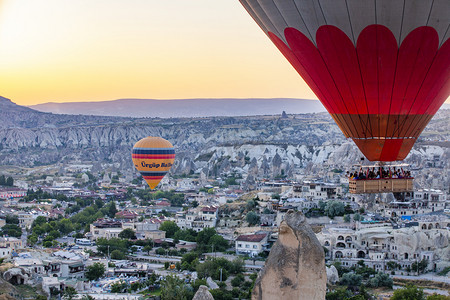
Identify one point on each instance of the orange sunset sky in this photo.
(91, 50)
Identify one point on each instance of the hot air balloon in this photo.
(380, 67)
(153, 157)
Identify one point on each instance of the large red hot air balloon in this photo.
(380, 67)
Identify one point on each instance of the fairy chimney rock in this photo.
(203, 294)
(295, 268)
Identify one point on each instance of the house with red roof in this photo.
(251, 244)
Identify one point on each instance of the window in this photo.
(239, 245)
(247, 246)
(254, 246)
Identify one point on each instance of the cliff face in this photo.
(259, 145)
(295, 268)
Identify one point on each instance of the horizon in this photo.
(138, 49)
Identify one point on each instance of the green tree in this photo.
(438, 297)
(250, 204)
(69, 293)
(169, 227)
(32, 239)
(381, 279)
(220, 244)
(12, 219)
(127, 234)
(334, 208)
(119, 287)
(238, 280)
(112, 210)
(11, 230)
(95, 271)
(346, 218)
(252, 218)
(357, 217)
(117, 254)
(351, 279)
(173, 288)
(203, 238)
(338, 294)
(410, 292)
(188, 235)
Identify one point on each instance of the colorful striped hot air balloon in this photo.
(380, 67)
(153, 157)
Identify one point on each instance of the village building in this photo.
(251, 244)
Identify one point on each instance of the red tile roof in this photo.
(209, 208)
(251, 237)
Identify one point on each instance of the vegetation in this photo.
(95, 271)
(6, 181)
(128, 234)
(173, 288)
(252, 218)
(11, 230)
(410, 292)
(170, 228)
(148, 197)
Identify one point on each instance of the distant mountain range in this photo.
(141, 108)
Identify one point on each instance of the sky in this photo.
(94, 50)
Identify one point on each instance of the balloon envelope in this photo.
(153, 157)
(381, 68)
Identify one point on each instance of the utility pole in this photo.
(220, 274)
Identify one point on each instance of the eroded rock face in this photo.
(295, 268)
(203, 294)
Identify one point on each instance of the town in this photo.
(83, 233)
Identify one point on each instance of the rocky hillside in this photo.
(16, 116)
(258, 146)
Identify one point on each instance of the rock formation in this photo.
(203, 294)
(295, 268)
(332, 275)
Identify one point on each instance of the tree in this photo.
(339, 294)
(147, 248)
(119, 287)
(117, 254)
(250, 204)
(69, 293)
(220, 244)
(346, 218)
(252, 218)
(11, 230)
(189, 235)
(334, 208)
(127, 234)
(392, 265)
(203, 238)
(238, 280)
(438, 297)
(169, 227)
(112, 210)
(173, 288)
(357, 217)
(351, 279)
(9, 181)
(410, 292)
(95, 271)
(12, 219)
(381, 279)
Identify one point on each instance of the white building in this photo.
(251, 244)
(198, 218)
